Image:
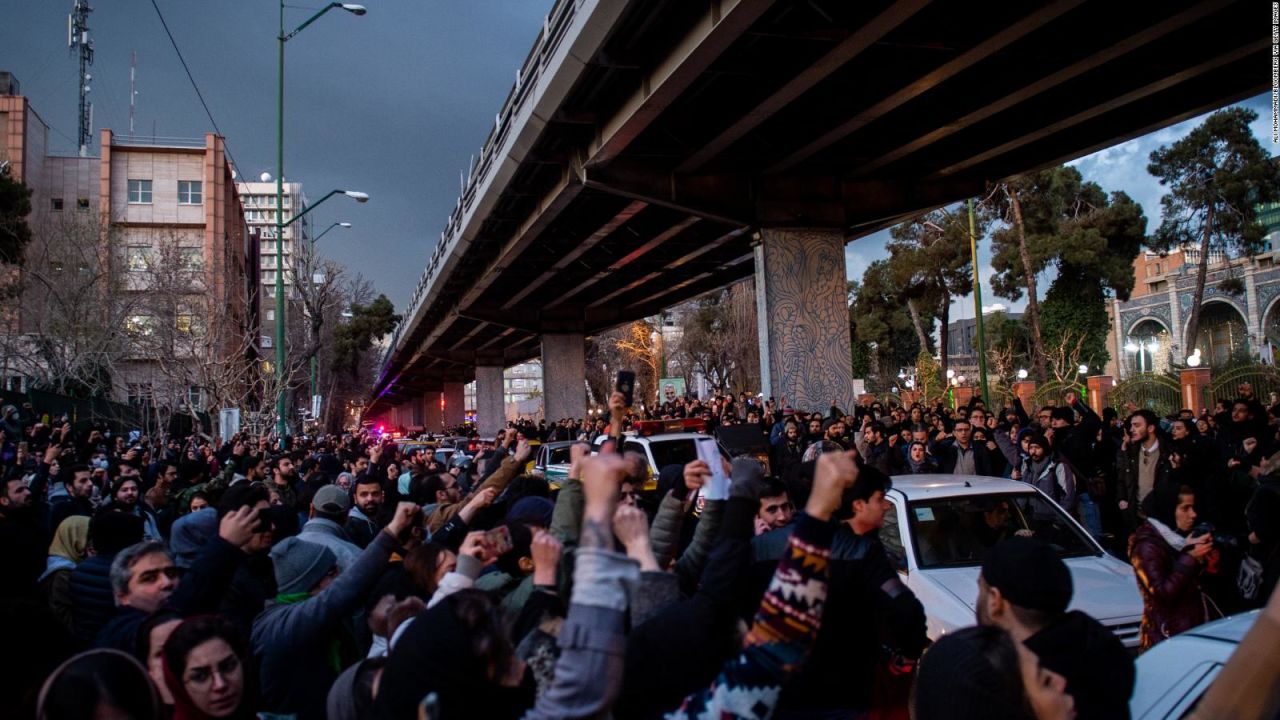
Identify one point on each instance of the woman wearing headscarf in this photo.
(70, 546)
(1169, 560)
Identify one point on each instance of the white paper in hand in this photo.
(718, 487)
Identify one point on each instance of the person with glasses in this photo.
(204, 662)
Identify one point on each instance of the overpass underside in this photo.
(689, 145)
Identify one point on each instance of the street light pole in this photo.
(312, 251)
(282, 425)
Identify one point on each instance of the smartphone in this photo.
(626, 385)
(497, 542)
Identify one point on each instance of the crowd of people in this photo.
(348, 576)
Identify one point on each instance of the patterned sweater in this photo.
(781, 635)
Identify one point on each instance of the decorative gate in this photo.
(1265, 380)
(1159, 393)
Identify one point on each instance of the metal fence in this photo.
(1265, 380)
(1159, 393)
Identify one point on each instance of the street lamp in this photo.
(1022, 373)
(282, 425)
(316, 239)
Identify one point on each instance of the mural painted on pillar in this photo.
(805, 295)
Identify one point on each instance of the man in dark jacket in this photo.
(960, 455)
(1142, 464)
(365, 519)
(23, 543)
(79, 485)
(1025, 588)
(145, 579)
(876, 610)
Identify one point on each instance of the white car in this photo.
(660, 443)
(1173, 675)
(941, 525)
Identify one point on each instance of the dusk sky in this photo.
(394, 103)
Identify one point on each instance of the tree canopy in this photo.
(1217, 176)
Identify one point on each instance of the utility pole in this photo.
(977, 305)
(78, 37)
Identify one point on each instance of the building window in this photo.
(82, 203)
(269, 278)
(265, 341)
(56, 204)
(195, 397)
(139, 393)
(191, 259)
(271, 315)
(139, 192)
(190, 192)
(138, 258)
(271, 291)
(140, 325)
(186, 324)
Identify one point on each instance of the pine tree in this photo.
(1217, 176)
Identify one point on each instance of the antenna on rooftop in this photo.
(133, 88)
(78, 37)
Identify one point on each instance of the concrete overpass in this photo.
(651, 151)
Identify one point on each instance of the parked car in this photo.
(1173, 675)
(940, 527)
(553, 462)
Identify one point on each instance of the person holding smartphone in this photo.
(1169, 561)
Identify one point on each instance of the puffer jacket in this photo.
(92, 602)
(1168, 579)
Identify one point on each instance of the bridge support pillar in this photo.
(491, 408)
(564, 377)
(455, 404)
(433, 416)
(802, 315)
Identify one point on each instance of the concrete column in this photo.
(455, 404)
(491, 407)
(1194, 382)
(1099, 391)
(1254, 312)
(1025, 390)
(564, 377)
(1180, 344)
(803, 318)
(433, 418)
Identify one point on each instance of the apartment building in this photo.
(259, 200)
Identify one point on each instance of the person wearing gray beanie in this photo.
(301, 565)
(298, 641)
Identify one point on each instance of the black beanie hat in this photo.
(1029, 574)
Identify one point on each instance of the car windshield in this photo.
(558, 456)
(956, 531)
